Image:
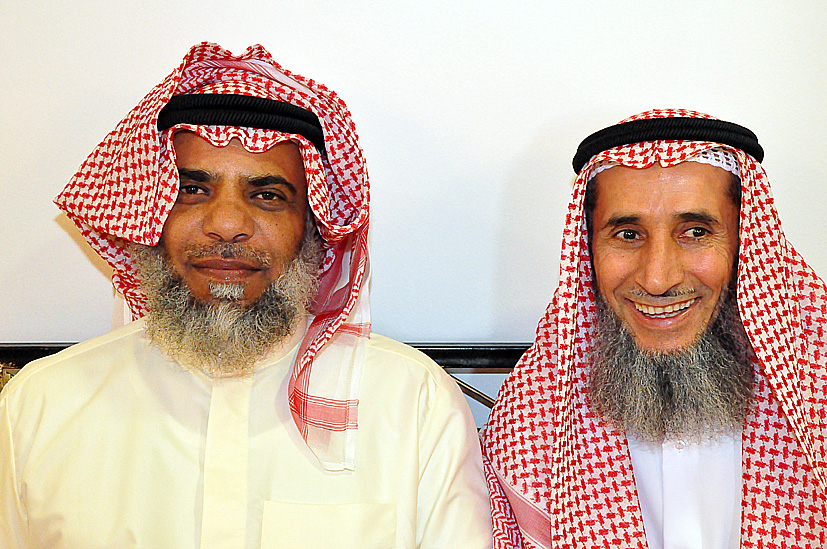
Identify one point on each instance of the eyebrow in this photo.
(691, 216)
(616, 220)
(698, 217)
(270, 180)
(201, 176)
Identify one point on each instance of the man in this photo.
(674, 395)
(251, 407)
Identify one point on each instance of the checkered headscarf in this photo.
(564, 476)
(127, 186)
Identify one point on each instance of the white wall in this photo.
(469, 113)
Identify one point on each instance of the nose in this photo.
(662, 268)
(227, 219)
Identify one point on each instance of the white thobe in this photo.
(689, 494)
(111, 444)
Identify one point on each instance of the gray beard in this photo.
(701, 391)
(225, 338)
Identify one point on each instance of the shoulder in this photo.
(385, 345)
(401, 359)
(394, 368)
(80, 362)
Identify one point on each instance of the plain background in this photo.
(469, 114)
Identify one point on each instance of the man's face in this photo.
(664, 241)
(229, 195)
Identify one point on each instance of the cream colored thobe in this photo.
(111, 444)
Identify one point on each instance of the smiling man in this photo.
(669, 360)
(674, 395)
(663, 244)
(249, 405)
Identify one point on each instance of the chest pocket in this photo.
(339, 526)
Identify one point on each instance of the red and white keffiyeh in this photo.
(127, 186)
(566, 476)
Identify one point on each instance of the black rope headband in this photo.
(668, 129)
(244, 111)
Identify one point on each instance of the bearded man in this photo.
(250, 406)
(674, 395)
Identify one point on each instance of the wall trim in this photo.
(456, 358)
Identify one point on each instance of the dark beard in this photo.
(225, 338)
(700, 391)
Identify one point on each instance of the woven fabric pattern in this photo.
(127, 186)
(558, 462)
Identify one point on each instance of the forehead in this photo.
(196, 153)
(657, 191)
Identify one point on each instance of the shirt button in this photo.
(680, 445)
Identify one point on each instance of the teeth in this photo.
(663, 312)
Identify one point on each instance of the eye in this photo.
(697, 232)
(626, 234)
(191, 189)
(191, 193)
(268, 195)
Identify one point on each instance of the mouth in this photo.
(667, 311)
(226, 269)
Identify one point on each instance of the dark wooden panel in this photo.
(18, 355)
(479, 358)
(458, 357)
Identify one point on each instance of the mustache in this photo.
(229, 250)
(668, 293)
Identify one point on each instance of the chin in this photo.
(654, 344)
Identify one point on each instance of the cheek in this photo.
(175, 235)
(283, 234)
(714, 270)
(610, 270)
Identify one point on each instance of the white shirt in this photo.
(689, 494)
(110, 444)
